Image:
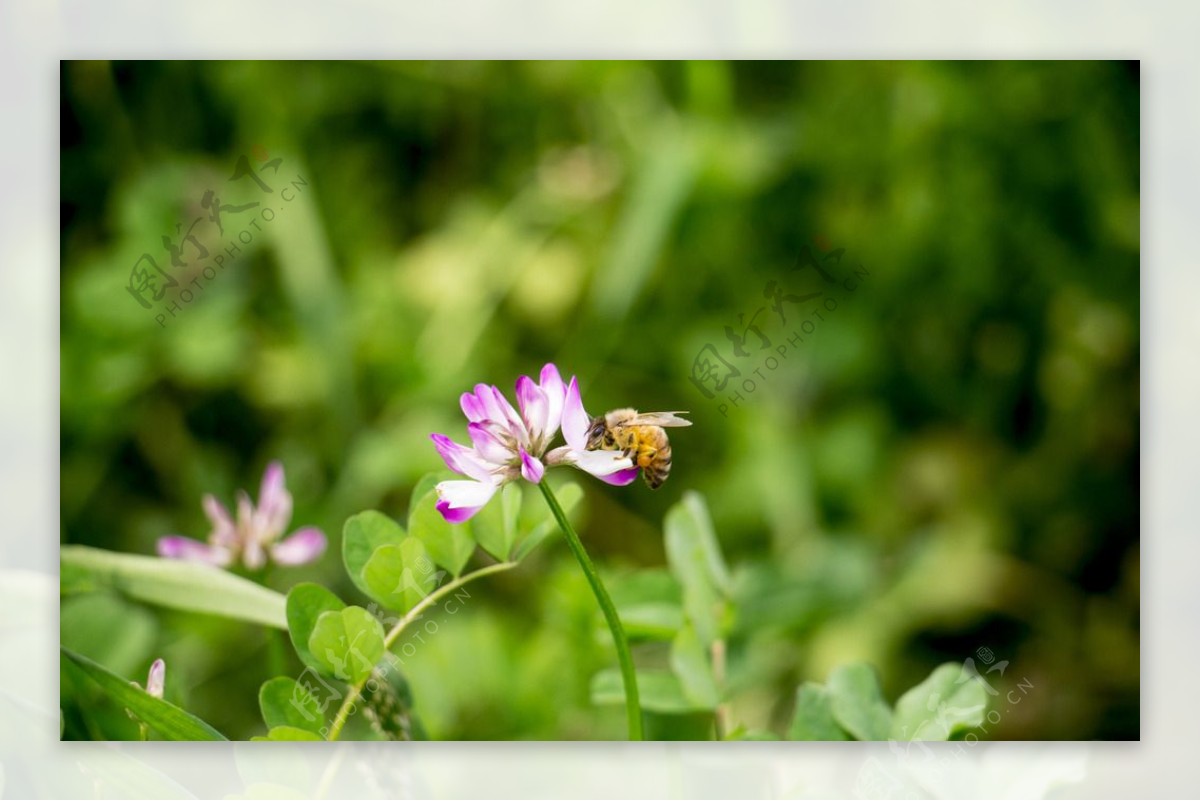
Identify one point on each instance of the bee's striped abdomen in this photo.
(658, 468)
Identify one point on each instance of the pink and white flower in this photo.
(255, 537)
(507, 445)
(156, 678)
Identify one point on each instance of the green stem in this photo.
(354, 692)
(633, 708)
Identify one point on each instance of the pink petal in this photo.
(488, 445)
(516, 425)
(556, 392)
(621, 477)
(531, 468)
(274, 509)
(574, 419)
(472, 407)
(190, 550)
(456, 515)
(534, 406)
(224, 533)
(491, 409)
(301, 547)
(156, 678)
(461, 459)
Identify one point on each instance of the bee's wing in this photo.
(663, 419)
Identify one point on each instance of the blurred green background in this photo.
(947, 463)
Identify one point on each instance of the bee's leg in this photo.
(646, 457)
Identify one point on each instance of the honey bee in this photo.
(638, 436)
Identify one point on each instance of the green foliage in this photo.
(813, 718)
(536, 522)
(288, 734)
(107, 629)
(948, 703)
(305, 605)
(689, 607)
(495, 526)
(857, 703)
(347, 643)
(659, 690)
(695, 559)
(690, 664)
(285, 702)
(448, 544)
(165, 718)
(963, 425)
(174, 584)
(361, 536)
(400, 576)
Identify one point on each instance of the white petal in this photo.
(574, 419)
(461, 494)
(532, 468)
(535, 408)
(599, 463)
(556, 393)
(156, 678)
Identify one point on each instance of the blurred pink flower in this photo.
(255, 536)
(156, 678)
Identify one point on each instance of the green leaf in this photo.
(448, 544)
(693, 513)
(658, 691)
(857, 702)
(349, 643)
(653, 621)
(649, 603)
(286, 702)
(288, 734)
(362, 534)
(695, 559)
(171, 583)
(813, 718)
(108, 629)
(536, 519)
(950, 700)
(425, 486)
(399, 576)
(691, 666)
(167, 719)
(494, 527)
(305, 603)
(744, 734)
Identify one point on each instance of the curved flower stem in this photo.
(633, 707)
(354, 692)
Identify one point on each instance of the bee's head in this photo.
(595, 432)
